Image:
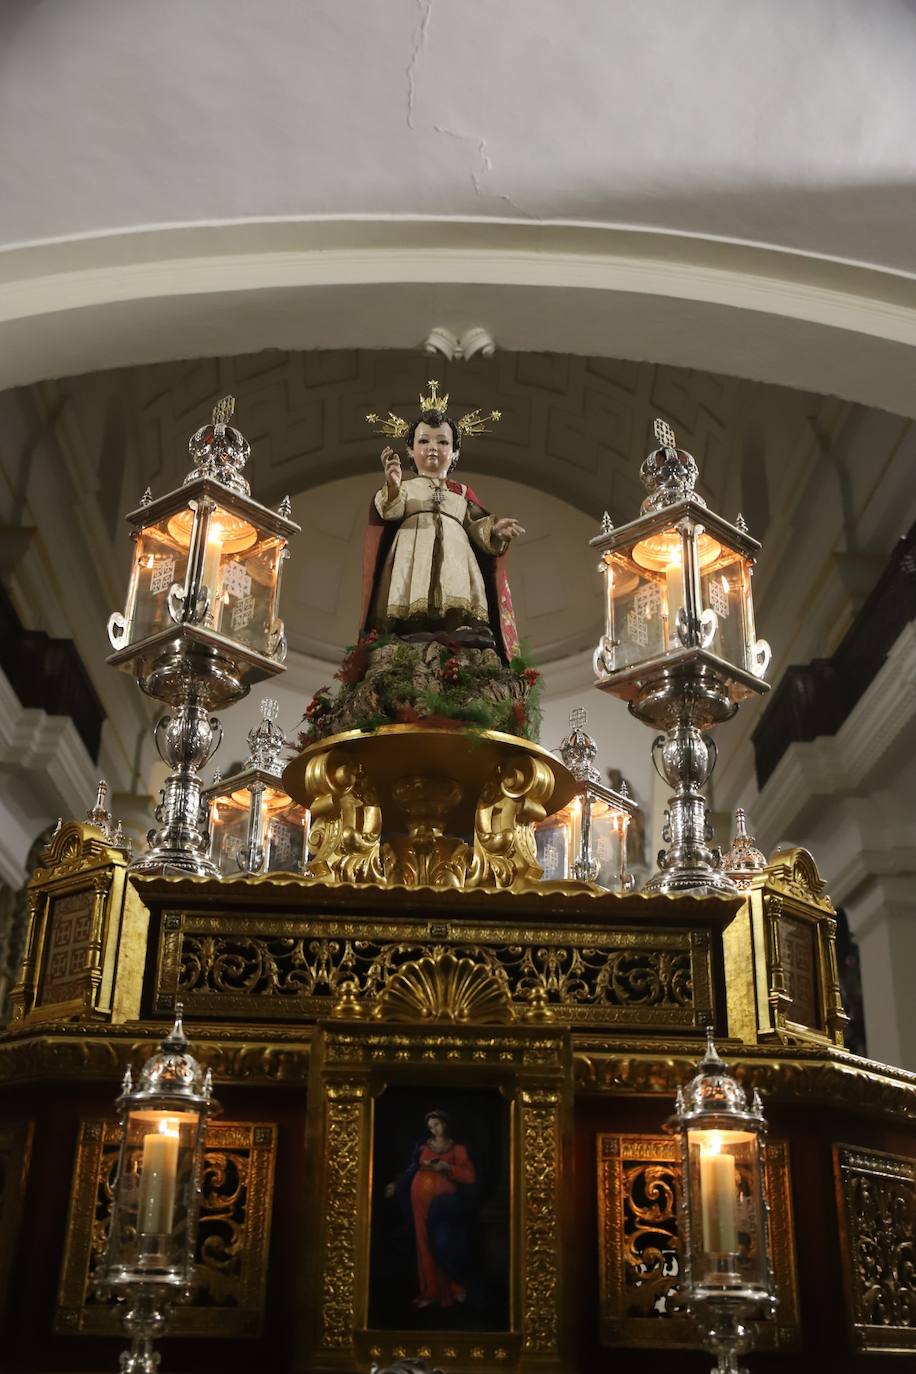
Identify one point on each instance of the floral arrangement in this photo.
(384, 681)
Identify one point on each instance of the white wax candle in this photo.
(674, 587)
(158, 1178)
(720, 1202)
(210, 575)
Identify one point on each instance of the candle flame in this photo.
(713, 1145)
(167, 1126)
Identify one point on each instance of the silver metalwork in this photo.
(151, 1272)
(607, 523)
(678, 611)
(200, 626)
(724, 1289)
(579, 752)
(260, 780)
(285, 507)
(219, 451)
(669, 473)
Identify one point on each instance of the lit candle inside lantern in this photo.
(158, 1179)
(210, 574)
(719, 1192)
(674, 587)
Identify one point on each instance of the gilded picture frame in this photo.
(639, 1246)
(526, 1069)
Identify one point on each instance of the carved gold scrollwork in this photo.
(346, 820)
(230, 1264)
(344, 1135)
(426, 856)
(504, 846)
(541, 1181)
(639, 1246)
(876, 1197)
(443, 988)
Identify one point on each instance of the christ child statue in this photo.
(435, 556)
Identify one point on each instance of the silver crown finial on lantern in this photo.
(266, 741)
(669, 474)
(220, 451)
(578, 750)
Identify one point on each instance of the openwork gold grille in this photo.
(230, 966)
(233, 1238)
(876, 1202)
(640, 1247)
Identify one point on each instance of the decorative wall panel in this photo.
(233, 1237)
(236, 966)
(639, 1245)
(876, 1206)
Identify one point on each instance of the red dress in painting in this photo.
(427, 1185)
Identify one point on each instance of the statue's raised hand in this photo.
(392, 465)
(507, 528)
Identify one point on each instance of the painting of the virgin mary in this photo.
(440, 1215)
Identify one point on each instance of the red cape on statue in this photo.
(377, 542)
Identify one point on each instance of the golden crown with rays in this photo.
(472, 423)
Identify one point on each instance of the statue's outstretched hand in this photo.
(392, 465)
(507, 528)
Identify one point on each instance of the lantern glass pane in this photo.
(228, 831)
(605, 844)
(160, 560)
(638, 609)
(727, 1232)
(287, 839)
(155, 1191)
(725, 588)
(552, 840)
(246, 582)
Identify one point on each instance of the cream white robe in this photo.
(431, 569)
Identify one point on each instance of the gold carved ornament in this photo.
(505, 854)
(230, 1269)
(443, 988)
(308, 967)
(639, 1246)
(876, 1203)
(346, 820)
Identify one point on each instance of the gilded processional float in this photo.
(482, 1104)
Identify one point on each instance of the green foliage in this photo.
(480, 692)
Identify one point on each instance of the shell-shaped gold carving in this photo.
(445, 988)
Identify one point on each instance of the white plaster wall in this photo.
(758, 123)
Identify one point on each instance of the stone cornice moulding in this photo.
(870, 865)
(832, 766)
(48, 751)
(82, 304)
